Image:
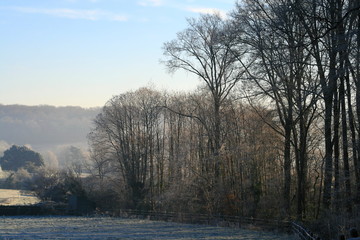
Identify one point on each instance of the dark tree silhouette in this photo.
(20, 157)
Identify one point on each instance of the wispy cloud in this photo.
(74, 1)
(74, 13)
(207, 11)
(151, 2)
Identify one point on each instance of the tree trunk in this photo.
(328, 171)
(217, 137)
(287, 162)
(336, 152)
(357, 81)
(345, 149)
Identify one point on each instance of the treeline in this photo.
(289, 149)
(156, 151)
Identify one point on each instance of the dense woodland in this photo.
(272, 131)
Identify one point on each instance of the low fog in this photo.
(54, 132)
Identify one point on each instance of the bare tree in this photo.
(281, 75)
(127, 128)
(330, 25)
(206, 50)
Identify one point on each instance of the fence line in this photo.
(222, 220)
(207, 219)
(303, 233)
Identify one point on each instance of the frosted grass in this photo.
(10, 197)
(118, 228)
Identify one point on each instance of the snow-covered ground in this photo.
(117, 228)
(17, 197)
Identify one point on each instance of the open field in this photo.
(65, 227)
(117, 228)
(9, 197)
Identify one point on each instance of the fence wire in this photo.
(224, 221)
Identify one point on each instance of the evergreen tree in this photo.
(20, 157)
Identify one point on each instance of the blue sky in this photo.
(83, 52)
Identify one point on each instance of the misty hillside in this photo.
(44, 127)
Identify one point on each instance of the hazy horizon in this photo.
(48, 130)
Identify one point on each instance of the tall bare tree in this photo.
(281, 75)
(206, 50)
(330, 27)
(126, 128)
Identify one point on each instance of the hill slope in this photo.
(44, 125)
(45, 128)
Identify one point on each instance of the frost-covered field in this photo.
(17, 197)
(118, 228)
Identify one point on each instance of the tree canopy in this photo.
(18, 157)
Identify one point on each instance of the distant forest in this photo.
(46, 129)
(45, 125)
